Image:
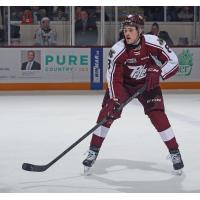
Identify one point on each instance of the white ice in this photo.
(36, 127)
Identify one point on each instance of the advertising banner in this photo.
(45, 65)
(78, 66)
(96, 68)
(189, 65)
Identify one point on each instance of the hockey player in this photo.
(136, 60)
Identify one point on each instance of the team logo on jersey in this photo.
(161, 42)
(138, 72)
(131, 61)
(111, 52)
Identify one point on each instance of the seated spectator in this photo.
(42, 13)
(78, 13)
(185, 14)
(16, 13)
(35, 12)
(59, 15)
(45, 36)
(154, 29)
(27, 17)
(85, 30)
(161, 34)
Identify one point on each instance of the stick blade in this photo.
(34, 168)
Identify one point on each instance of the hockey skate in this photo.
(176, 159)
(90, 159)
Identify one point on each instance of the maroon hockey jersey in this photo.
(128, 66)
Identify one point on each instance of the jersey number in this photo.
(168, 49)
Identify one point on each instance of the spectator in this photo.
(78, 13)
(161, 34)
(59, 15)
(42, 13)
(45, 36)
(16, 13)
(185, 14)
(35, 12)
(27, 17)
(154, 29)
(85, 30)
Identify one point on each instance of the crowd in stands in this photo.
(86, 18)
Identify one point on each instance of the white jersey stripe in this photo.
(171, 62)
(170, 71)
(110, 74)
(153, 45)
(166, 55)
(112, 92)
(117, 56)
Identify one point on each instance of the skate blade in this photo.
(87, 171)
(178, 172)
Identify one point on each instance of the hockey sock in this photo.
(99, 136)
(162, 125)
(169, 139)
(96, 141)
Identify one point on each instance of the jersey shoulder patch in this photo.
(116, 49)
(154, 40)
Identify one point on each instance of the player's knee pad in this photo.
(159, 120)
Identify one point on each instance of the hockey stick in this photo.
(41, 168)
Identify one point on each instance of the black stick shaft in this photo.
(77, 142)
(140, 91)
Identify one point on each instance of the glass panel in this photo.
(3, 26)
(40, 25)
(87, 25)
(180, 24)
(109, 26)
(123, 11)
(183, 13)
(155, 13)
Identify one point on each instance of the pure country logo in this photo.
(185, 63)
(66, 63)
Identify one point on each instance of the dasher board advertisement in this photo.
(45, 65)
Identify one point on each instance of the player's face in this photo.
(131, 34)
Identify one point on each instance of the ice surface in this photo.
(38, 126)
